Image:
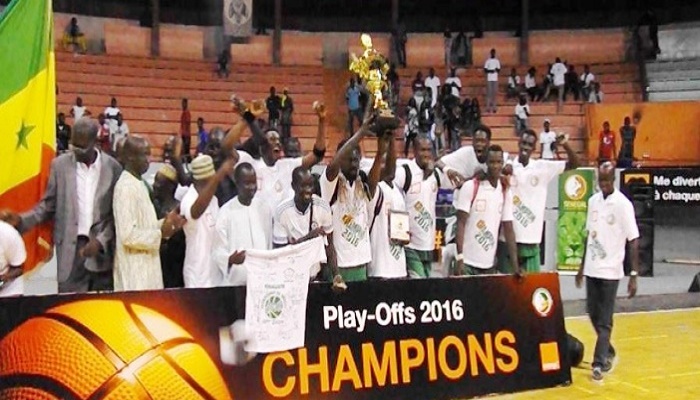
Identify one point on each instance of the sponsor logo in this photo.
(542, 302)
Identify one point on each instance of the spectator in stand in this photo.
(547, 83)
(460, 48)
(172, 251)
(475, 112)
(571, 83)
(447, 35)
(185, 128)
(548, 142)
(558, 72)
(223, 62)
(513, 89)
(78, 110)
(531, 85)
(112, 111)
(103, 134)
(394, 87)
(606, 144)
(586, 81)
(62, 134)
(433, 82)
(399, 39)
(418, 84)
(286, 111)
(596, 95)
(273, 105)
(454, 83)
(118, 131)
(72, 36)
(522, 112)
(491, 68)
(202, 136)
(352, 96)
(411, 129)
(292, 148)
(627, 135)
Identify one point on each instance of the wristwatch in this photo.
(634, 273)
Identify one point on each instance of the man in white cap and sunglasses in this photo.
(200, 207)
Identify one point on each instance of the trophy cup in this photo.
(372, 67)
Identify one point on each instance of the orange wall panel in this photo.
(127, 40)
(577, 46)
(258, 50)
(507, 50)
(181, 43)
(425, 50)
(300, 49)
(667, 133)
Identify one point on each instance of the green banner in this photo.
(575, 187)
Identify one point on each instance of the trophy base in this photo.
(385, 121)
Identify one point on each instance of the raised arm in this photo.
(319, 150)
(376, 170)
(572, 161)
(334, 167)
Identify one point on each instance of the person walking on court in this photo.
(611, 226)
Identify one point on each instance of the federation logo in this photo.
(610, 219)
(273, 304)
(575, 187)
(542, 302)
(534, 181)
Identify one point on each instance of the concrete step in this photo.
(675, 96)
(674, 86)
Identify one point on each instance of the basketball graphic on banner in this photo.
(74, 352)
(238, 16)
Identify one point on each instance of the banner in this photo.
(667, 132)
(238, 18)
(426, 339)
(575, 187)
(672, 186)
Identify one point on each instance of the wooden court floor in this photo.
(659, 359)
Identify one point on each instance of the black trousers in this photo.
(600, 301)
(82, 280)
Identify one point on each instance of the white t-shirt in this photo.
(12, 253)
(492, 64)
(558, 71)
(78, 112)
(464, 161)
(199, 236)
(491, 206)
(546, 140)
(433, 83)
(521, 109)
(388, 260)
(421, 198)
(116, 132)
(111, 112)
(238, 228)
(530, 81)
(274, 182)
(528, 185)
(290, 223)
(513, 81)
(587, 78)
(350, 220)
(610, 224)
(457, 82)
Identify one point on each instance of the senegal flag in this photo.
(27, 112)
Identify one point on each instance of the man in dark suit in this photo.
(78, 199)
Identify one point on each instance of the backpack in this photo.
(409, 176)
(365, 186)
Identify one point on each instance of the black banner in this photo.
(672, 186)
(407, 339)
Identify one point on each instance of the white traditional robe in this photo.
(137, 258)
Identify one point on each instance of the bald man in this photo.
(78, 199)
(611, 227)
(139, 231)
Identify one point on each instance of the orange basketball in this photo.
(105, 349)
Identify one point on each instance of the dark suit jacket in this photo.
(60, 204)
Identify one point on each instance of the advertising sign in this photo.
(417, 339)
(575, 187)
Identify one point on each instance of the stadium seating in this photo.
(674, 80)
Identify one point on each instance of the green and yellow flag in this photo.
(27, 112)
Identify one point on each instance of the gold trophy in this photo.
(372, 68)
